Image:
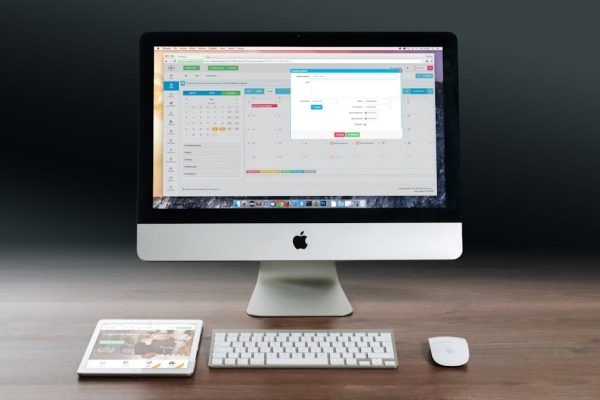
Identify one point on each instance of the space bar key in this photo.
(292, 362)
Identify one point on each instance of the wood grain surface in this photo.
(532, 322)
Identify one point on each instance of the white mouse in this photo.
(449, 351)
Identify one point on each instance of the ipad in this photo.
(158, 347)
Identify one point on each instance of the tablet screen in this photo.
(142, 345)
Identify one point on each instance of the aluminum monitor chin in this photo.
(286, 148)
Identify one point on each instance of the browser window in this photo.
(249, 127)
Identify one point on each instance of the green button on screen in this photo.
(222, 67)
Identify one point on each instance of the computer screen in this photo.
(298, 127)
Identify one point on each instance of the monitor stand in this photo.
(298, 288)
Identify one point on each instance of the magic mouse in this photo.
(449, 351)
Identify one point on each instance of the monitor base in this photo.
(298, 289)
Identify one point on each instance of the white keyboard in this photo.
(347, 348)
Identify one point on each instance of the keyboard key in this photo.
(378, 355)
(301, 362)
(384, 337)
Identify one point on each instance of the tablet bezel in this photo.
(84, 371)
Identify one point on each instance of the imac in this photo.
(297, 150)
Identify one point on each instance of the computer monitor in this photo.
(298, 150)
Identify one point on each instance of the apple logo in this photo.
(300, 241)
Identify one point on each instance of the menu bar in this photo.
(277, 48)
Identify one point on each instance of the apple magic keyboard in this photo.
(271, 348)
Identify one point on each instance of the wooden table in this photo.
(532, 322)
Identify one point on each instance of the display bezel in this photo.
(149, 215)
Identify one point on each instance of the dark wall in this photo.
(529, 85)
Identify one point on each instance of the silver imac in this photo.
(298, 150)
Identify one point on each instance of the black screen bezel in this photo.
(148, 215)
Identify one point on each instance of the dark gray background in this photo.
(529, 92)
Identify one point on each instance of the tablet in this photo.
(142, 347)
